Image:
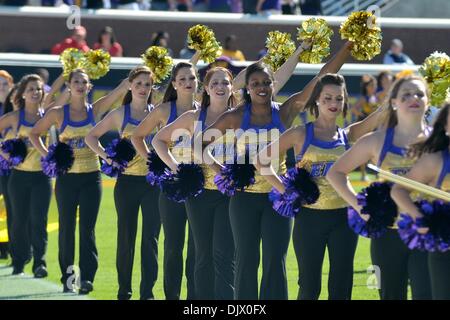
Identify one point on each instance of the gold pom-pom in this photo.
(436, 71)
(158, 60)
(202, 38)
(96, 63)
(319, 33)
(279, 47)
(404, 73)
(361, 28)
(71, 59)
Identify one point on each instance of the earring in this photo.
(248, 92)
(447, 133)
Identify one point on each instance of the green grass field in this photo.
(106, 278)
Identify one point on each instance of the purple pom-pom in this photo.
(300, 190)
(236, 176)
(376, 202)
(188, 181)
(58, 161)
(120, 151)
(407, 229)
(5, 167)
(17, 150)
(436, 217)
(157, 169)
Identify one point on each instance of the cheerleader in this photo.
(81, 185)
(323, 224)
(29, 188)
(207, 213)
(178, 98)
(432, 168)
(131, 191)
(251, 215)
(8, 106)
(405, 110)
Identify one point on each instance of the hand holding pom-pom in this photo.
(187, 182)
(121, 152)
(202, 39)
(318, 33)
(58, 161)
(96, 63)
(159, 61)
(157, 169)
(17, 150)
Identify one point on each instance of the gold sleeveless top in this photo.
(137, 166)
(317, 156)
(73, 133)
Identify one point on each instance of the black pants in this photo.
(30, 194)
(214, 247)
(83, 191)
(314, 231)
(7, 199)
(252, 220)
(173, 218)
(397, 264)
(130, 193)
(439, 264)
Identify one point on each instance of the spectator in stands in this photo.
(95, 4)
(384, 82)
(180, 5)
(160, 5)
(218, 6)
(77, 40)
(161, 38)
(107, 41)
(43, 73)
(236, 6)
(133, 4)
(310, 7)
(186, 53)
(268, 7)
(288, 7)
(230, 49)
(56, 3)
(395, 55)
(249, 6)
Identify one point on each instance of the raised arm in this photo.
(42, 126)
(294, 137)
(55, 88)
(105, 103)
(194, 59)
(184, 125)
(283, 74)
(110, 122)
(361, 153)
(426, 170)
(297, 101)
(153, 120)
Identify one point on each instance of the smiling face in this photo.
(219, 86)
(411, 99)
(79, 84)
(141, 86)
(331, 100)
(185, 81)
(260, 87)
(33, 92)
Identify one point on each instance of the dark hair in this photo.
(229, 38)
(251, 69)
(383, 74)
(365, 81)
(205, 96)
(107, 30)
(22, 86)
(327, 79)
(438, 140)
(389, 115)
(77, 71)
(134, 73)
(171, 93)
(156, 37)
(8, 106)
